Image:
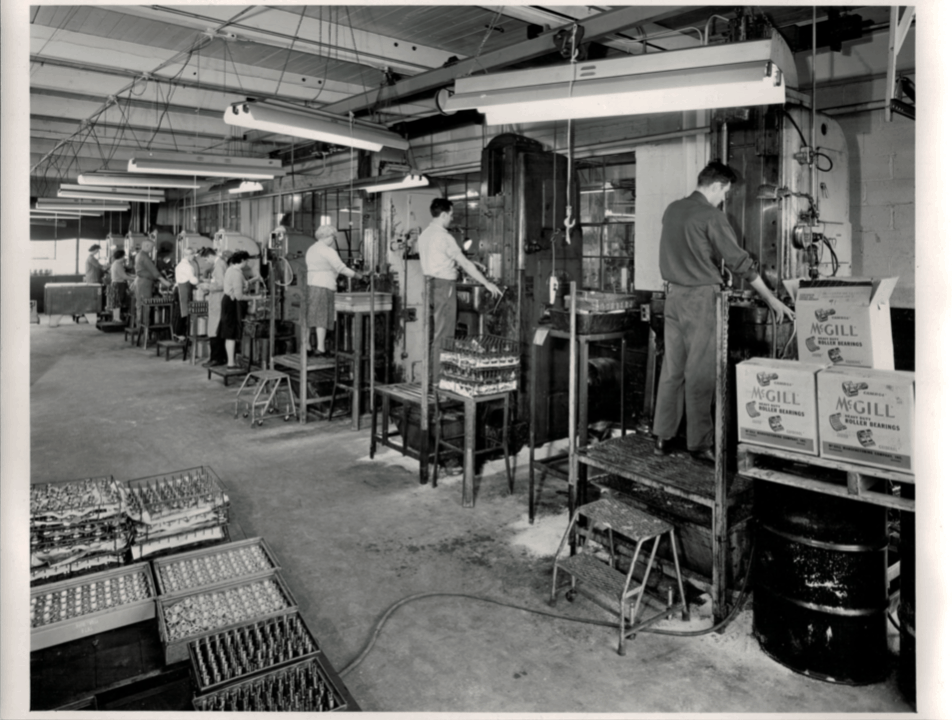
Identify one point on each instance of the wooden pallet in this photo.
(829, 477)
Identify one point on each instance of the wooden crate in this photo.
(829, 477)
(176, 642)
(187, 572)
(87, 619)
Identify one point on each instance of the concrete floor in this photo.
(353, 536)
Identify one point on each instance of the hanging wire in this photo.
(287, 58)
(490, 29)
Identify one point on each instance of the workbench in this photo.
(680, 476)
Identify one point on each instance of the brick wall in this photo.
(882, 187)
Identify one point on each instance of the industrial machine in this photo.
(524, 240)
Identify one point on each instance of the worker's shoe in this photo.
(706, 456)
(662, 446)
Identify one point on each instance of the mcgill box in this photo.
(844, 321)
(867, 416)
(776, 404)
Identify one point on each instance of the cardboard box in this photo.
(776, 404)
(867, 416)
(844, 321)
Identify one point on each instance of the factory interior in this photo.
(359, 372)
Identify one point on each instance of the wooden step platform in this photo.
(830, 477)
(110, 325)
(227, 374)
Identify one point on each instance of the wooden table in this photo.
(469, 438)
(406, 396)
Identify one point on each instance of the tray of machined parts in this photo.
(76, 520)
(310, 685)
(208, 567)
(248, 650)
(185, 618)
(70, 609)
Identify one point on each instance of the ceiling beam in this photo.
(278, 27)
(596, 28)
(133, 60)
(637, 41)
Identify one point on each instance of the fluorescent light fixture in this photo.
(110, 191)
(133, 180)
(600, 188)
(45, 212)
(713, 76)
(74, 205)
(312, 124)
(210, 166)
(84, 194)
(409, 181)
(61, 216)
(463, 196)
(247, 186)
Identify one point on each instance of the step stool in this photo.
(169, 346)
(614, 518)
(266, 387)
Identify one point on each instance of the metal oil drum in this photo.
(907, 600)
(820, 584)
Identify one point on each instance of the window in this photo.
(607, 222)
(463, 192)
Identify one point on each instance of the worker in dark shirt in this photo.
(696, 238)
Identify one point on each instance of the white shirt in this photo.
(324, 265)
(439, 251)
(185, 272)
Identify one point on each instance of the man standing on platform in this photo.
(440, 255)
(696, 239)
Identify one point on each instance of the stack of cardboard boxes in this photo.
(842, 400)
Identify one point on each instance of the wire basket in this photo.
(247, 650)
(164, 498)
(302, 687)
(480, 352)
(596, 301)
(198, 307)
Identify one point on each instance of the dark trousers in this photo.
(688, 374)
(443, 303)
(216, 350)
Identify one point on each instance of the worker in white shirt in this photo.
(186, 279)
(440, 256)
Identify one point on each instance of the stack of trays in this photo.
(481, 365)
(186, 617)
(306, 686)
(177, 509)
(187, 572)
(76, 525)
(69, 609)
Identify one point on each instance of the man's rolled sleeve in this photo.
(736, 259)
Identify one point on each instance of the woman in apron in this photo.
(215, 287)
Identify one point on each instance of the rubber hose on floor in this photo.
(603, 623)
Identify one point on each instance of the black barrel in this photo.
(907, 599)
(820, 584)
